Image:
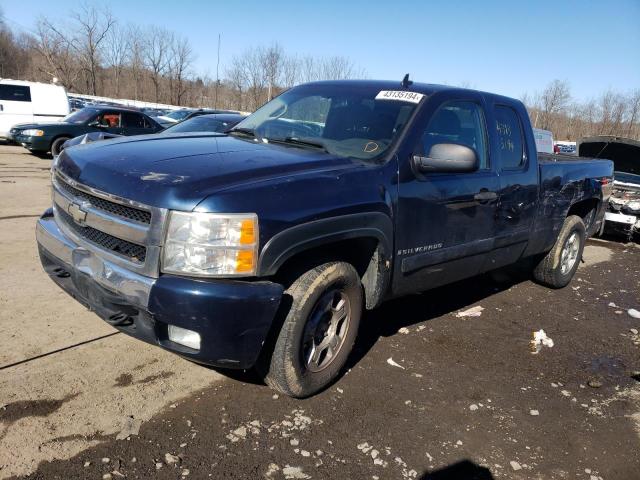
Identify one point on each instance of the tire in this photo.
(56, 145)
(559, 265)
(318, 330)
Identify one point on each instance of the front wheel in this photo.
(57, 146)
(559, 265)
(318, 332)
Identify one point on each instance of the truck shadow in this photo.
(463, 470)
(386, 320)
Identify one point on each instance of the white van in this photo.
(544, 140)
(29, 102)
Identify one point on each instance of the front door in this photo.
(445, 221)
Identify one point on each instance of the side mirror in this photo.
(447, 158)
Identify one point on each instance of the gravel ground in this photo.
(429, 393)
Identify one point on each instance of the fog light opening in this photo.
(182, 336)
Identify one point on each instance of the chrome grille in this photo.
(134, 252)
(123, 211)
(122, 231)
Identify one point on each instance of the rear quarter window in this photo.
(15, 93)
(510, 138)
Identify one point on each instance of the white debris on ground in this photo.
(376, 456)
(633, 313)
(391, 362)
(540, 339)
(403, 330)
(471, 312)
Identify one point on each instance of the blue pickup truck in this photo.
(262, 247)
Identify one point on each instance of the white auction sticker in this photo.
(400, 95)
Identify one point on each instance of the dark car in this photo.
(263, 247)
(220, 122)
(209, 111)
(50, 137)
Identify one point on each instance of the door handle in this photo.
(485, 196)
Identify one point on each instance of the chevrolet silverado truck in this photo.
(262, 247)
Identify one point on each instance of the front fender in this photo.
(293, 240)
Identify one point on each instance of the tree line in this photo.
(90, 52)
(611, 113)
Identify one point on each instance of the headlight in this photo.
(634, 205)
(211, 244)
(32, 132)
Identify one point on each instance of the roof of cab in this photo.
(425, 88)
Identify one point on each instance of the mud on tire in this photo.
(318, 330)
(558, 266)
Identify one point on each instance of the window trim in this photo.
(483, 126)
(524, 158)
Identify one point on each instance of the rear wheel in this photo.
(56, 145)
(559, 265)
(318, 332)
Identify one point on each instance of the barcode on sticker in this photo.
(400, 95)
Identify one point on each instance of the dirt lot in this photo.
(428, 394)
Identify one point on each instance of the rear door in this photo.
(15, 106)
(515, 156)
(134, 123)
(445, 221)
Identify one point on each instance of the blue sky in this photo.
(507, 47)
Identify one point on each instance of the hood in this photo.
(179, 171)
(24, 126)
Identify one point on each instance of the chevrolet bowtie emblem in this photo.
(77, 213)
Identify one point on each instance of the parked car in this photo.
(262, 249)
(76, 104)
(623, 210)
(42, 138)
(22, 102)
(220, 122)
(209, 111)
(173, 117)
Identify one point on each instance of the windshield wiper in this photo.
(300, 142)
(244, 131)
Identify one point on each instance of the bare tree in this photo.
(59, 54)
(116, 52)
(179, 62)
(271, 62)
(93, 27)
(553, 99)
(156, 52)
(136, 56)
(237, 80)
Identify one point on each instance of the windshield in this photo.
(81, 116)
(200, 124)
(178, 114)
(345, 120)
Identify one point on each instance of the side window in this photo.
(15, 93)
(510, 140)
(110, 119)
(460, 122)
(132, 120)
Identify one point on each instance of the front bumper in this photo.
(232, 317)
(34, 144)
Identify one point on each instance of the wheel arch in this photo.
(363, 240)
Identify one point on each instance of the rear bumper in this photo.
(233, 318)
